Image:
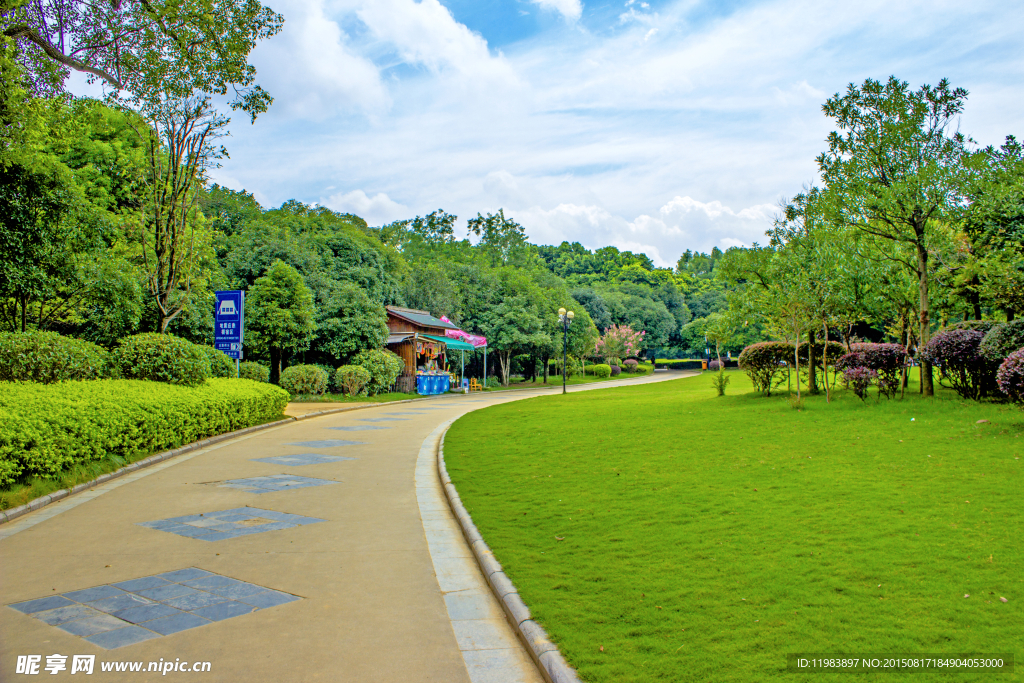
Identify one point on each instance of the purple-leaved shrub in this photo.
(1010, 376)
(859, 379)
(956, 352)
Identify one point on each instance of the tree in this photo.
(502, 237)
(349, 322)
(149, 49)
(279, 315)
(895, 173)
(181, 149)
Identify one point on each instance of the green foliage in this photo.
(46, 429)
(613, 361)
(220, 364)
(719, 381)
(602, 370)
(763, 363)
(47, 357)
(161, 358)
(279, 314)
(384, 368)
(351, 380)
(349, 322)
(1002, 340)
(254, 371)
(304, 379)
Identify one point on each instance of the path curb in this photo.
(545, 654)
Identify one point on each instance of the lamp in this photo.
(566, 318)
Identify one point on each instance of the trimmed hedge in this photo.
(763, 363)
(46, 429)
(352, 380)
(47, 357)
(1010, 376)
(220, 364)
(162, 358)
(384, 368)
(603, 371)
(1002, 340)
(630, 365)
(254, 371)
(956, 351)
(304, 379)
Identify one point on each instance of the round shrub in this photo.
(616, 370)
(220, 364)
(956, 352)
(887, 360)
(384, 368)
(254, 371)
(859, 379)
(47, 357)
(1010, 376)
(715, 365)
(982, 326)
(630, 365)
(835, 351)
(1002, 340)
(304, 379)
(161, 358)
(763, 363)
(351, 380)
(602, 370)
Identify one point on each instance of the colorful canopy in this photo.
(452, 344)
(476, 340)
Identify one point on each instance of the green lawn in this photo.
(706, 538)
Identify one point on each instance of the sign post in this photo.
(229, 324)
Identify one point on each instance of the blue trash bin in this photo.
(421, 385)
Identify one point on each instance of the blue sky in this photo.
(654, 126)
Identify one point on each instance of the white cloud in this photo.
(570, 9)
(377, 210)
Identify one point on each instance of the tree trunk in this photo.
(824, 366)
(545, 360)
(796, 361)
(905, 340)
(275, 365)
(925, 317)
(24, 312)
(974, 298)
(812, 370)
(1009, 315)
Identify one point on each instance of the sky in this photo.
(653, 126)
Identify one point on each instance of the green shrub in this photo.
(602, 370)
(763, 363)
(47, 357)
(47, 429)
(254, 371)
(351, 380)
(613, 361)
(493, 382)
(161, 358)
(221, 365)
(384, 368)
(304, 379)
(1002, 340)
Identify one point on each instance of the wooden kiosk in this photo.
(418, 338)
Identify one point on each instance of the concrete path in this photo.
(317, 550)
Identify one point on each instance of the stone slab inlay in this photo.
(302, 459)
(224, 524)
(327, 443)
(275, 482)
(357, 428)
(152, 606)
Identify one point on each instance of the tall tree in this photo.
(148, 49)
(895, 171)
(279, 315)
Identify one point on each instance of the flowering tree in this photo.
(619, 342)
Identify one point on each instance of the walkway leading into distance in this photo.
(318, 550)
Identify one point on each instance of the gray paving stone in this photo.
(119, 602)
(93, 594)
(121, 637)
(54, 617)
(171, 590)
(238, 592)
(185, 574)
(32, 606)
(225, 610)
(302, 459)
(356, 428)
(268, 599)
(189, 603)
(137, 615)
(91, 625)
(136, 585)
(179, 622)
(326, 443)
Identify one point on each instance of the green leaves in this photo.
(279, 311)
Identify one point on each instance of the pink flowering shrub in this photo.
(619, 342)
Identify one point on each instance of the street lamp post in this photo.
(566, 318)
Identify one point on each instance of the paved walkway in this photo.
(361, 575)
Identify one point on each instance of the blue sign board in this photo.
(229, 323)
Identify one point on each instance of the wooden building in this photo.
(417, 336)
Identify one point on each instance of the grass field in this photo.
(706, 538)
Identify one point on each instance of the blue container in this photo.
(421, 385)
(446, 384)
